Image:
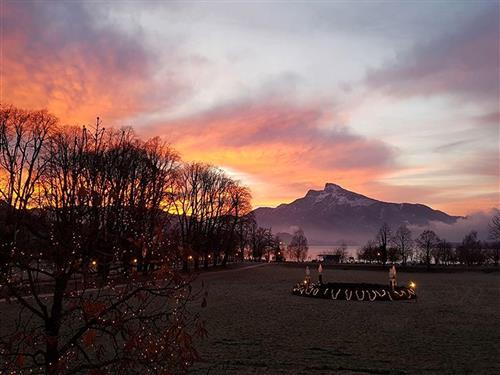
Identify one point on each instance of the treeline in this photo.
(105, 196)
(428, 248)
(102, 221)
(263, 244)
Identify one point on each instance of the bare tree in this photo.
(238, 207)
(403, 242)
(494, 234)
(383, 238)
(209, 207)
(243, 233)
(98, 195)
(470, 251)
(261, 240)
(443, 252)
(393, 254)
(187, 204)
(494, 228)
(427, 242)
(369, 252)
(341, 252)
(23, 136)
(493, 252)
(298, 246)
(23, 144)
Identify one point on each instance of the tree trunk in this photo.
(52, 326)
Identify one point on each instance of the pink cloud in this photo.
(55, 57)
(288, 146)
(464, 63)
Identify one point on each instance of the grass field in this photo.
(256, 326)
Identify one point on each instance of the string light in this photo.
(68, 252)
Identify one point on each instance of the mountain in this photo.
(333, 214)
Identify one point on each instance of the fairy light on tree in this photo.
(93, 204)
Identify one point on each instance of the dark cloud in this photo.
(60, 57)
(463, 63)
(269, 122)
(452, 145)
(284, 148)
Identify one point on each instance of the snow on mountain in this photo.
(335, 213)
(335, 195)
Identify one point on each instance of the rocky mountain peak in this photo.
(334, 194)
(331, 187)
(336, 213)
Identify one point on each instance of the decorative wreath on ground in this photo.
(354, 292)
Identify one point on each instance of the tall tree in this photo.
(470, 251)
(494, 228)
(341, 252)
(98, 194)
(243, 233)
(383, 238)
(369, 252)
(24, 138)
(494, 234)
(23, 143)
(298, 246)
(238, 207)
(443, 252)
(403, 242)
(209, 207)
(427, 242)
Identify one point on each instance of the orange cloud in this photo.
(284, 149)
(281, 150)
(56, 58)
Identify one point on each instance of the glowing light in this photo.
(94, 262)
(190, 257)
(413, 285)
(135, 260)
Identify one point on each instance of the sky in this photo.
(395, 100)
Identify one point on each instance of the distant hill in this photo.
(333, 214)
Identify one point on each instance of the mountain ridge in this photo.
(336, 213)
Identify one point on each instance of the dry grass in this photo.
(256, 326)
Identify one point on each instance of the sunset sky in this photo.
(395, 100)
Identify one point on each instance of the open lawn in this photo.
(256, 326)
